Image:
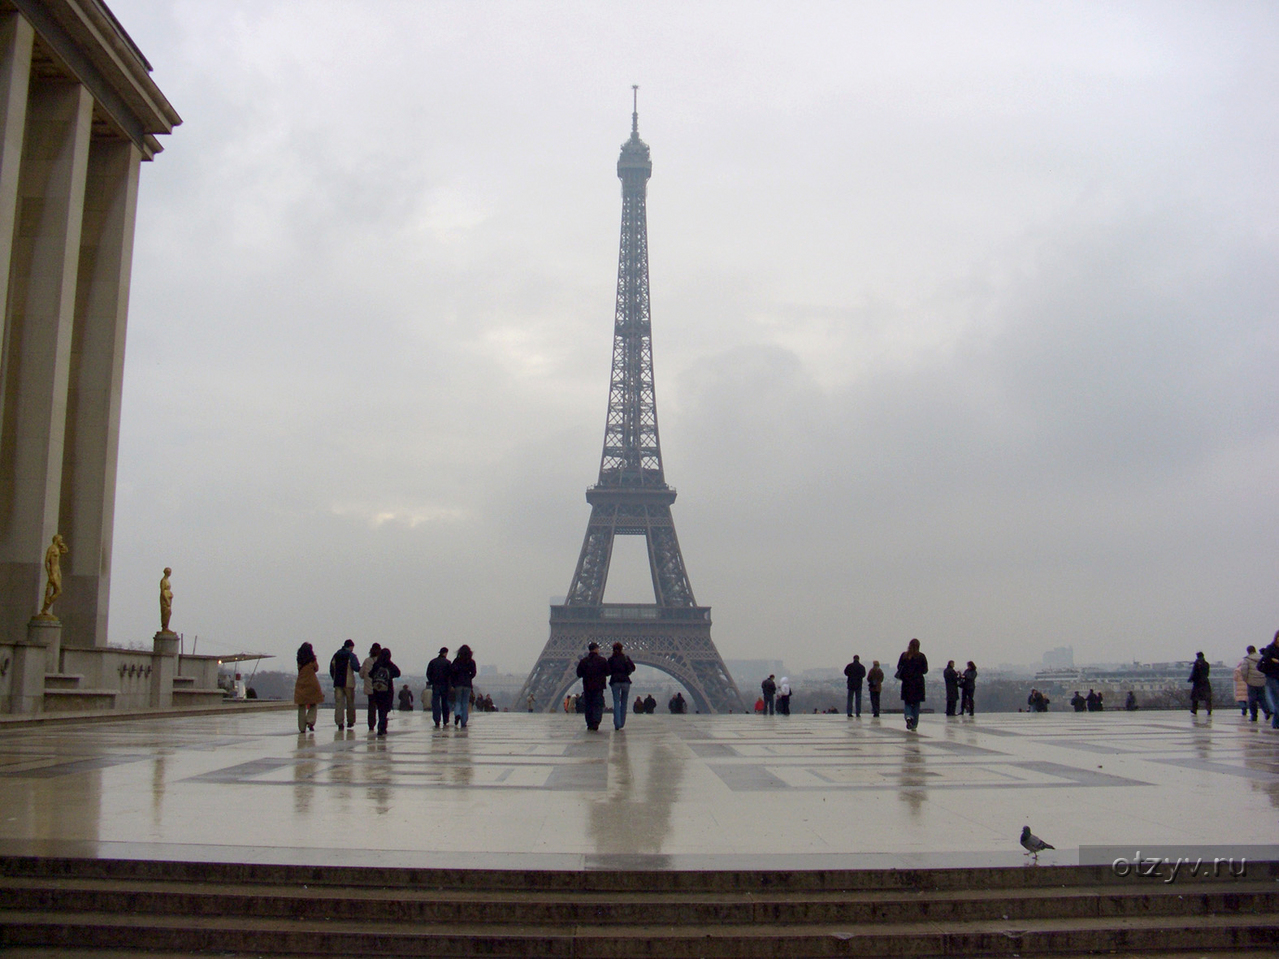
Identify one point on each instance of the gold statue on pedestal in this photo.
(53, 572)
(166, 600)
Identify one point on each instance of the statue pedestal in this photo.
(31, 660)
(164, 666)
(46, 630)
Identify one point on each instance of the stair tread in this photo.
(429, 893)
(619, 931)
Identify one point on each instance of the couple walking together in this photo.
(451, 678)
(594, 671)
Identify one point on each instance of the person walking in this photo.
(1200, 688)
(620, 668)
(769, 688)
(911, 667)
(437, 674)
(855, 672)
(1255, 680)
(344, 667)
(874, 685)
(967, 686)
(365, 668)
(592, 669)
(461, 678)
(783, 697)
(1269, 666)
(307, 694)
(951, 679)
(406, 699)
(383, 676)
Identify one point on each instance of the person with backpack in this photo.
(437, 674)
(461, 677)
(383, 676)
(344, 667)
(365, 668)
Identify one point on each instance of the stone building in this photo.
(79, 113)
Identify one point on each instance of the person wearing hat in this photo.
(620, 668)
(592, 669)
(437, 675)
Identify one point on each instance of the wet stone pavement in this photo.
(516, 790)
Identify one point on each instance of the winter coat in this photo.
(384, 673)
(307, 691)
(462, 673)
(343, 668)
(592, 669)
(855, 672)
(365, 669)
(769, 688)
(969, 683)
(620, 668)
(911, 670)
(1251, 674)
(437, 671)
(1241, 684)
(951, 679)
(1199, 673)
(875, 679)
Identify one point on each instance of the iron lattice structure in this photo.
(631, 498)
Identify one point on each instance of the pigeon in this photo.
(1032, 843)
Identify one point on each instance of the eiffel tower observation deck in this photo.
(632, 498)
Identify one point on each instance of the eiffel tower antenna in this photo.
(631, 498)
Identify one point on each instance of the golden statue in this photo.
(53, 570)
(166, 600)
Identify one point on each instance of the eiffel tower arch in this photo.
(631, 498)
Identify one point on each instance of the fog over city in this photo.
(964, 323)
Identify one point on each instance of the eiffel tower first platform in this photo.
(631, 498)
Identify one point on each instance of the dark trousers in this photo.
(1257, 697)
(783, 705)
(384, 703)
(1201, 694)
(951, 699)
(768, 706)
(440, 704)
(372, 710)
(855, 701)
(874, 702)
(966, 702)
(594, 708)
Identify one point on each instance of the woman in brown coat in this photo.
(307, 694)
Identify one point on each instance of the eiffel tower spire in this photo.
(631, 497)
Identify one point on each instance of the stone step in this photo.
(185, 696)
(517, 907)
(328, 938)
(608, 881)
(73, 700)
(63, 952)
(62, 681)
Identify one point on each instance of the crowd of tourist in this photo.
(450, 685)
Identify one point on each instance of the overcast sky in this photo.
(964, 323)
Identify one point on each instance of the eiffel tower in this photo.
(631, 498)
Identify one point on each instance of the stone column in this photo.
(164, 666)
(38, 325)
(91, 445)
(16, 38)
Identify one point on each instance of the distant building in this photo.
(749, 673)
(1062, 656)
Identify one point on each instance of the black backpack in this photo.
(381, 677)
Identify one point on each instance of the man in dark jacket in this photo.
(650, 705)
(874, 685)
(592, 669)
(1269, 666)
(951, 679)
(769, 688)
(620, 668)
(855, 672)
(344, 668)
(1200, 689)
(437, 675)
